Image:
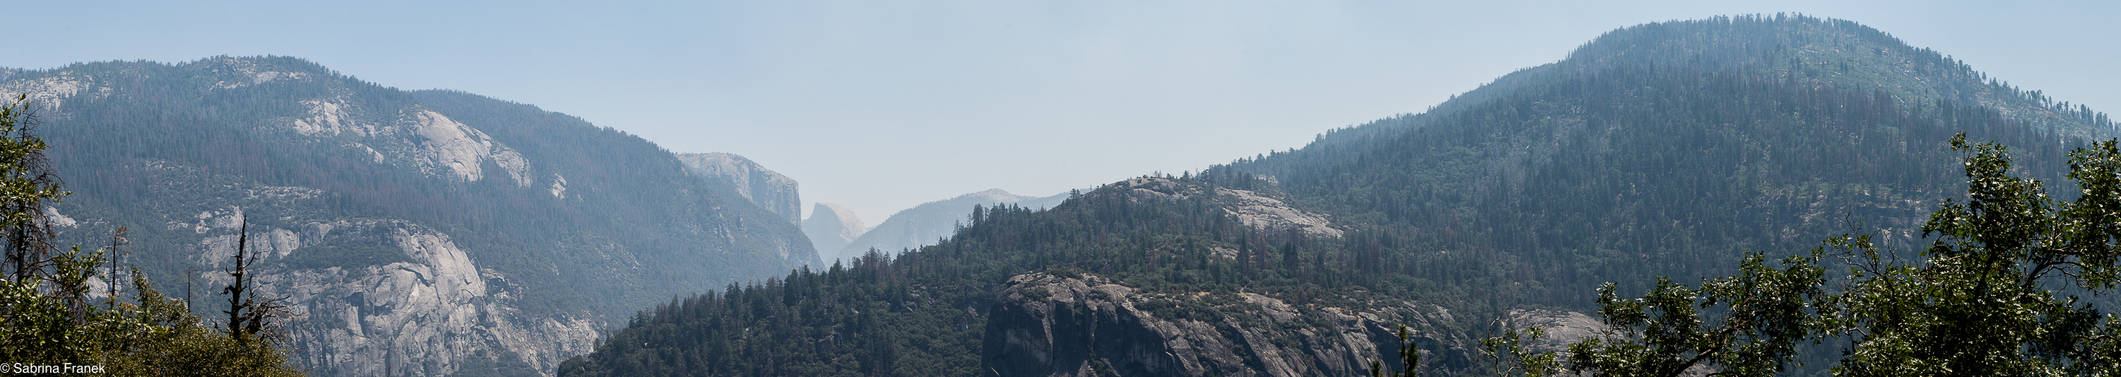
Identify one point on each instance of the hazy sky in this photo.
(881, 105)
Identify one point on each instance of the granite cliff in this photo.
(768, 189)
(1053, 325)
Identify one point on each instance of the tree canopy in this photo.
(1999, 291)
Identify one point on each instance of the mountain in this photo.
(830, 226)
(929, 222)
(413, 232)
(770, 190)
(1660, 149)
(1655, 142)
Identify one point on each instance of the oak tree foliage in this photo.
(1999, 291)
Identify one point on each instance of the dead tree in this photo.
(189, 274)
(117, 240)
(248, 315)
(236, 304)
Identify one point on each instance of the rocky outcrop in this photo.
(444, 145)
(48, 93)
(830, 227)
(423, 139)
(1052, 325)
(421, 307)
(1562, 328)
(770, 190)
(1261, 212)
(233, 72)
(1253, 209)
(929, 222)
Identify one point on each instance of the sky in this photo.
(884, 105)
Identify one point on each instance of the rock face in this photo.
(830, 227)
(929, 222)
(1562, 328)
(423, 139)
(1050, 325)
(415, 312)
(1251, 208)
(48, 93)
(370, 296)
(770, 190)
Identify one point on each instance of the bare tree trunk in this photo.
(116, 240)
(237, 305)
(248, 314)
(188, 273)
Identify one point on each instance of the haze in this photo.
(884, 106)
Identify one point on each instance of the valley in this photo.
(1753, 195)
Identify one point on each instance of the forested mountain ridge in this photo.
(1663, 149)
(1596, 157)
(1827, 52)
(416, 232)
(1183, 255)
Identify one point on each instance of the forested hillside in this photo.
(1673, 146)
(1662, 149)
(418, 233)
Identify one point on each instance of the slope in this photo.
(1675, 145)
(1667, 148)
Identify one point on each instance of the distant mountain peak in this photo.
(995, 194)
(929, 222)
(840, 212)
(831, 226)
